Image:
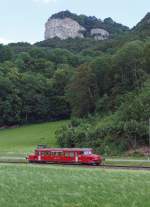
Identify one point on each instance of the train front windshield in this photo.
(87, 153)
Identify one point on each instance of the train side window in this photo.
(47, 153)
(52, 153)
(60, 153)
(71, 154)
(43, 153)
(56, 153)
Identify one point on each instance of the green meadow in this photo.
(56, 186)
(22, 140)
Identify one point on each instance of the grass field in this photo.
(54, 186)
(19, 141)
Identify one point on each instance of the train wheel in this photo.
(95, 164)
(31, 161)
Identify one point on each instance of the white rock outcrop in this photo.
(99, 34)
(63, 29)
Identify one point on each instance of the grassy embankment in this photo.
(22, 140)
(54, 186)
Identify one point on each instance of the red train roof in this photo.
(64, 149)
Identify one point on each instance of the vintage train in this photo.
(65, 155)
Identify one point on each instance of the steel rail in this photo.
(103, 166)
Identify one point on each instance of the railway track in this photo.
(125, 167)
(104, 166)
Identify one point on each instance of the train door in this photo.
(66, 156)
(76, 157)
(72, 156)
(39, 156)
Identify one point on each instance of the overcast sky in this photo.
(23, 20)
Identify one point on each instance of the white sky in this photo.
(23, 20)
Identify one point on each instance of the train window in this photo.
(60, 153)
(71, 154)
(87, 152)
(56, 153)
(52, 153)
(42, 153)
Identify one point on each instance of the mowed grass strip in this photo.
(128, 163)
(55, 186)
(21, 140)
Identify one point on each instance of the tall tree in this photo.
(128, 66)
(82, 91)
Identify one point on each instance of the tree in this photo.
(10, 102)
(147, 57)
(63, 56)
(33, 92)
(24, 61)
(103, 71)
(61, 78)
(82, 91)
(128, 66)
(5, 53)
(37, 52)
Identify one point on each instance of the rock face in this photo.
(63, 29)
(99, 34)
(66, 24)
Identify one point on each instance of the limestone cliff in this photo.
(63, 29)
(68, 25)
(99, 34)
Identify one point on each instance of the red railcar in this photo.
(65, 155)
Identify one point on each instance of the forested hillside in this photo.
(104, 86)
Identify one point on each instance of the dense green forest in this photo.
(103, 86)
